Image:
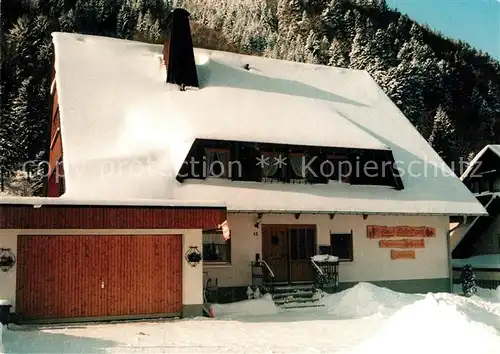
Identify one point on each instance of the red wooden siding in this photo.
(98, 276)
(55, 183)
(112, 217)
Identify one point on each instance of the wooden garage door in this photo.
(62, 277)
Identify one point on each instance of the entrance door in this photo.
(275, 250)
(288, 250)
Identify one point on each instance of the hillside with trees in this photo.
(449, 90)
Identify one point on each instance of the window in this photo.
(271, 169)
(217, 164)
(215, 248)
(342, 246)
(297, 173)
(496, 185)
(338, 168)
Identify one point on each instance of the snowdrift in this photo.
(366, 299)
(432, 325)
(254, 307)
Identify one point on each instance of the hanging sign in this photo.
(373, 231)
(226, 233)
(420, 243)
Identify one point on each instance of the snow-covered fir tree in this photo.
(442, 136)
(468, 281)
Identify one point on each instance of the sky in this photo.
(476, 22)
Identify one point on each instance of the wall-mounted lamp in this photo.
(365, 216)
(297, 216)
(7, 259)
(36, 206)
(259, 220)
(331, 216)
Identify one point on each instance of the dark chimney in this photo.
(178, 50)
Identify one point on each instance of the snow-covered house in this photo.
(478, 241)
(304, 158)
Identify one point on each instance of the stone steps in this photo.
(296, 296)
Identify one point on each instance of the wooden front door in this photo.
(80, 276)
(288, 250)
(275, 250)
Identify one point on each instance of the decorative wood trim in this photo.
(54, 138)
(399, 254)
(374, 231)
(109, 217)
(420, 243)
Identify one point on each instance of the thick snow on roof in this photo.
(126, 132)
(483, 261)
(493, 148)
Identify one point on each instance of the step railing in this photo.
(326, 275)
(263, 276)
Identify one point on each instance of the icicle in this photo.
(257, 293)
(249, 293)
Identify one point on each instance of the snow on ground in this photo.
(366, 299)
(362, 320)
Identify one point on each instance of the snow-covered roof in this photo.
(491, 261)
(494, 148)
(39, 201)
(126, 132)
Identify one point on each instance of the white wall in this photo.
(371, 263)
(192, 277)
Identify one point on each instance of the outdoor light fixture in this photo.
(7, 259)
(365, 216)
(36, 206)
(331, 216)
(193, 256)
(297, 216)
(259, 220)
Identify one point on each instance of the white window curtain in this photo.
(297, 162)
(270, 168)
(217, 160)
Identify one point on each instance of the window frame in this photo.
(336, 159)
(351, 245)
(281, 173)
(227, 174)
(227, 244)
(293, 177)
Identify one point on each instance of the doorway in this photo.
(288, 250)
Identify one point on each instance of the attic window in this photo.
(297, 162)
(272, 169)
(338, 168)
(217, 164)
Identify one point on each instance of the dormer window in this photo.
(298, 173)
(338, 168)
(217, 163)
(272, 169)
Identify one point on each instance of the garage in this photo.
(98, 276)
